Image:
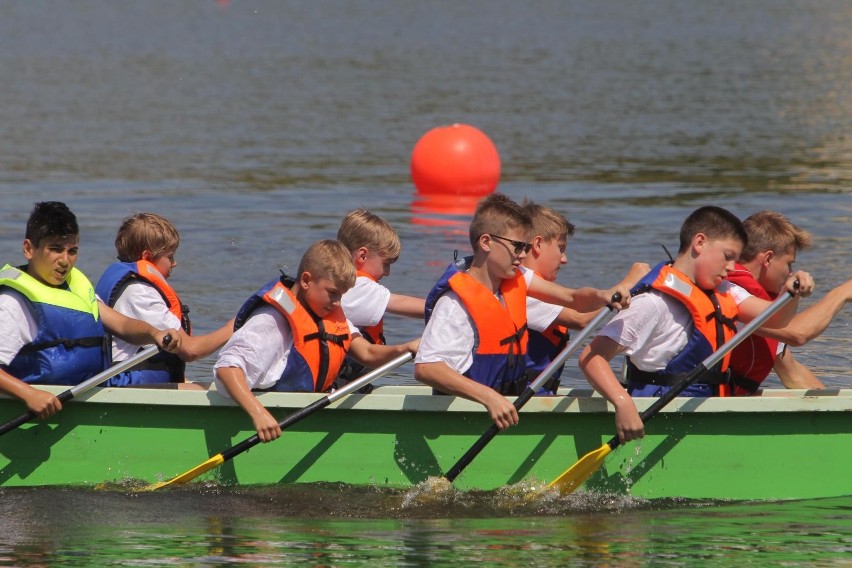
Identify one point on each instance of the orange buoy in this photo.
(455, 160)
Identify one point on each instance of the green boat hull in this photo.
(781, 445)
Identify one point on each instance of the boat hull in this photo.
(782, 445)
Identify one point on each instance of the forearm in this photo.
(440, 376)
(580, 299)
(372, 356)
(234, 381)
(14, 386)
(793, 374)
(195, 347)
(811, 322)
(408, 306)
(599, 373)
(575, 320)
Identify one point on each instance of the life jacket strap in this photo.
(67, 343)
(514, 341)
(745, 383)
(637, 376)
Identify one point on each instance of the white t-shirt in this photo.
(656, 327)
(539, 314)
(140, 300)
(18, 327)
(449, 334)
(366, 302)
(260, 348)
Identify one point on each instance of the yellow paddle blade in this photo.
(575, 475)
(215, 461)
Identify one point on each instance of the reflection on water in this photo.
(334, 525)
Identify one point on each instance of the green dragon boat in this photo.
(780, 445)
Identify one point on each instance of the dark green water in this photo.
(254, 125)
(345, 526)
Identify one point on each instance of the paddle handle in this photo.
(532, 388)
(321, 403)
(712, 360)
(101, 377)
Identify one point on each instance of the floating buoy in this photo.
(455, 160)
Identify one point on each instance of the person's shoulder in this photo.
(449, 306)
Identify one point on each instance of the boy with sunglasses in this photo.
(475, 341)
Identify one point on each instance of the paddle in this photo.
(67, 395)
(248, 443)
(574, 476)
(532, 388)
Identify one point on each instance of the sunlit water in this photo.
(254, 126)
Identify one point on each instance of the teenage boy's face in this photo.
(52, 260)
(322, 295)
(376, 266)
(503, 258)
(164, 264)
(551, 258)
(778, 269)
(715, 259)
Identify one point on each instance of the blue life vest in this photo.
(70, 345)
(319, 344)
(163, 367)
(713, 315)
(542, 348)
(500, 331)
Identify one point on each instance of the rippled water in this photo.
(254, 125)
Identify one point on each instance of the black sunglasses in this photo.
(520, 246)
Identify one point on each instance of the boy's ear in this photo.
(698, 242)
(361, 254)
(147, 255)
(28, 249)
(484, 242)
(305, 279)
(537, 243)
(767, 257)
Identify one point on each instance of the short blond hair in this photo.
(770, 230)
(330, 259)
(496, 215)
(361, 228)
(145, 231)
(547, 223)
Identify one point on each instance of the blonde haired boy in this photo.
(136, 286)
(766, 262)
(292, 336)
(375, 246)
(549, 324)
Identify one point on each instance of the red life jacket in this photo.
(753, 359)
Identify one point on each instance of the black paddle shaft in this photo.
(297, 416)
(529, 392)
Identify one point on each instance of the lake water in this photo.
(255, 125)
